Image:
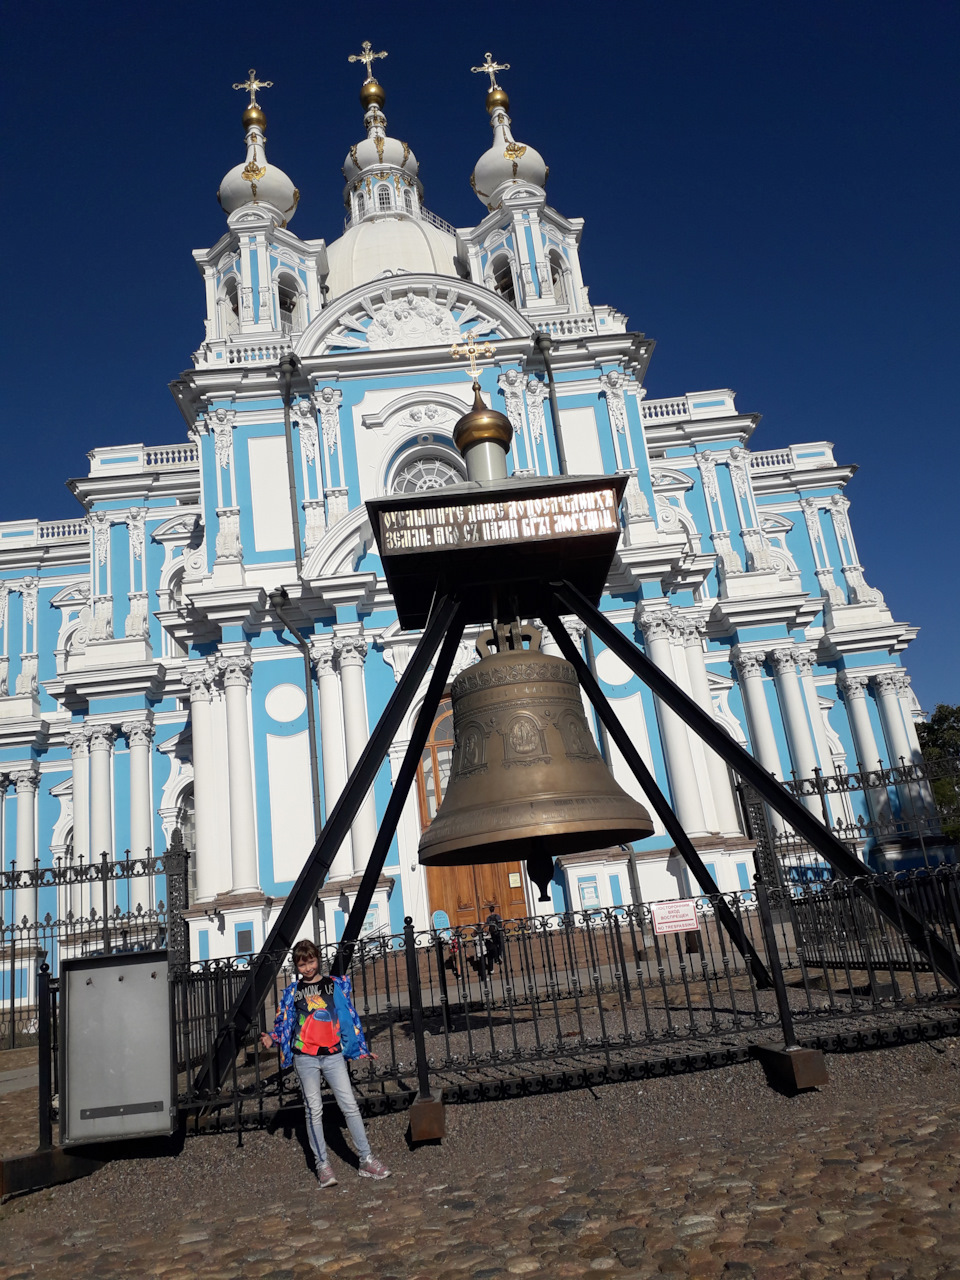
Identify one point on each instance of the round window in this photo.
(426, 473)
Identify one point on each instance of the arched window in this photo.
(292, 317)
(228, 306)
(384, 199)
(559, 274)
(428, 471)
(435, 764)
(361, 204)
(408, 200)
(503, 278)
(186, 821)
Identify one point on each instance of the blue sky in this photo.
(770, 190)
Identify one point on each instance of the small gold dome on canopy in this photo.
(481, 424)
(497, 98)
(372, 94)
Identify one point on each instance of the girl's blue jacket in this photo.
(352, 1040)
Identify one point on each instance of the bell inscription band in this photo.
(527, 780)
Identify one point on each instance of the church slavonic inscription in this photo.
(493, 523)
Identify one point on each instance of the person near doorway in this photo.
(317, 1029)
(494, 927)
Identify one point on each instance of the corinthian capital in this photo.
(322, 654)
(26, 781)
(654, 623)
(138, 733)
(784, 661)
(199, 681)
(351, 650)
(887, 684)
(102, 736)
(235, 669)
(77, 740)
(852, 684)
(749, 664)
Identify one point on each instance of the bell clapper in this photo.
(540, 869)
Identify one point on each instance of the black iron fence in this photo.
(553, 1001)
(70, 910)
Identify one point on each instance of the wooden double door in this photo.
(464, 894)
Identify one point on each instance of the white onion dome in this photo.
(507, 162)
(377, 153)
(256, 181)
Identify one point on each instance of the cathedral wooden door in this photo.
(464, 893)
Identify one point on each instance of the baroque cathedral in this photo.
(147, 680)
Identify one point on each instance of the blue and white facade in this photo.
(145, 682)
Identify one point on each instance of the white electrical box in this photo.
(117, 1076)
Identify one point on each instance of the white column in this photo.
(351, 651)
(199, 681)
(887, 685)
(750, 671)
(676, 744)
(331, 742)
(78, 742)
(25, 897)
(237, 671)
(926, 803)
(799, 739)
(853, 687)
(691, 630)
(808, 687)
(101, 809)
(139, 736)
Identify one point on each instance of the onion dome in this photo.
(256, 181)
(508, 162)
(378, 157)
(482, 425)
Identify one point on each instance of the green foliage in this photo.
(940, 736)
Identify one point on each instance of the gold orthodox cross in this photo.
(253, 84)
(472, 349)
(367, 57)
(491, 68)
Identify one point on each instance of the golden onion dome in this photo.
(482, 424)
(254, 116)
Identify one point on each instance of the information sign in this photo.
(489, 524)
(675, 917)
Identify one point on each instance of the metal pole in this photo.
(44, 1063)
(278, 601)
(105, 902)
(289, 364)
(773, 958)
(544, 344)
(13, 984)
(398, 795)
(943, 958)
(416, 1008)
(659, 802)
(263, 968)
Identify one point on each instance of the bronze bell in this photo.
(527, 780)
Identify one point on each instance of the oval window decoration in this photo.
(285, 702)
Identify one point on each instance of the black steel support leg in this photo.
(265, 965)
(398, 796)
(943, 958)
(658, 801)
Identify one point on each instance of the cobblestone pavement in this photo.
(709, 1175)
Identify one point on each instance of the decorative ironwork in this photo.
(491, 68)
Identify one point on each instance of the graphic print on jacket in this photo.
(318, 1028)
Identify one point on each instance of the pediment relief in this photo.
(427, 410)
(178, 530)
(72, 597)
(411, 311)
(664, 478)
